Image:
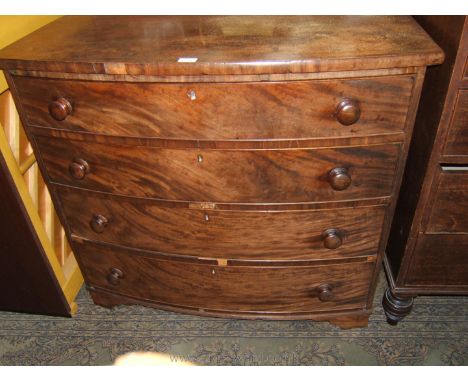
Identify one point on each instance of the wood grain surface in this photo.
(344, 319)
(227, 144)
(254, 235)
(449, 210)
(222, 45)
(439, 260)
(457, 139)
(226, 288)
(249, 176)
(269, 110)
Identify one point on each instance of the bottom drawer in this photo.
(439, 260)
(232, 288)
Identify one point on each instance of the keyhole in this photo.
(200, 158)
(192, 95)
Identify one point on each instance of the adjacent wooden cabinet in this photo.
(225, 166)
(427, 251)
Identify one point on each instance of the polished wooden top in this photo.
(154, 45)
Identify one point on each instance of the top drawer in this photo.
(214, 111)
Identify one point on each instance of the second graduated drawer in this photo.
(247, 234)
(223, 176)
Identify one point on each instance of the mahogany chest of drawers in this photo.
(427, 250)
(225, 166)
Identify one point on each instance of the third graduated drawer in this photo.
(227, 234)
(223, 176)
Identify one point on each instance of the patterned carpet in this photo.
(435, 333)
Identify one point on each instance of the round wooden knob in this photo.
(78, 168)
(114, 276)
(332, 238)
(339, 178)
(98, 223)
(325, 292)
(348, 112)
(60, 109)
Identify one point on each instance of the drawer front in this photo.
(457, 140)
(227, 288)
(262, 110)
(439, 260)
(248, 176)
(254, 235)
(449, 211)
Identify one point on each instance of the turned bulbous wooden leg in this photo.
(396, 308)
